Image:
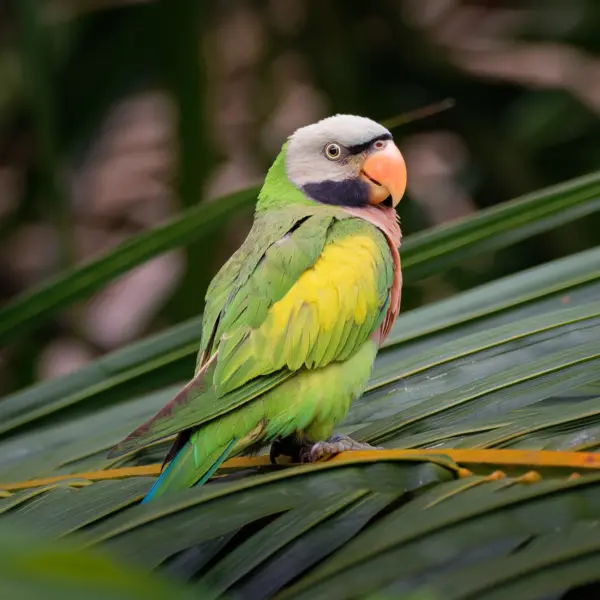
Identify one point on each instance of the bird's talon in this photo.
(336, 444)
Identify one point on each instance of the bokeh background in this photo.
(115, 115)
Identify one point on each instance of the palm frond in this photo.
(472, 397)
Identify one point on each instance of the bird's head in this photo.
(343, 160)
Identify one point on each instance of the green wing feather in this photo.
(237, 363)
(267, 232)
(233, 296)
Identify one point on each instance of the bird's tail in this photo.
(190, 466)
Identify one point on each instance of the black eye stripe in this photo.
(358, 148)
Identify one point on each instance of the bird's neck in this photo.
(278, 191)
(383, 217)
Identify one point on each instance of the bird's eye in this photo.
(333, 151)
(379, 145)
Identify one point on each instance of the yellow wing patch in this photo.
(328, 313)
(340, 286)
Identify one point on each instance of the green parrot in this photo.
(294, 319)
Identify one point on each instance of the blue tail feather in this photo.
(160, 479)
(217, 463)
(182, 455)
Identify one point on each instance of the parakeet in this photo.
(294, 319)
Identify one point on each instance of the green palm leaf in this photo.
(513, 364)
(33, 566)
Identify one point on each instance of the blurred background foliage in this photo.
(117, 114)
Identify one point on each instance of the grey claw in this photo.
(336, 444)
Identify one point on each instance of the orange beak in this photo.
(385, 172)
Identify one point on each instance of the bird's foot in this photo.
(336, 444)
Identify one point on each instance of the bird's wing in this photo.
(315, 298)
(312, 297)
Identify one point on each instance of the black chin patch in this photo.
(349, 192)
